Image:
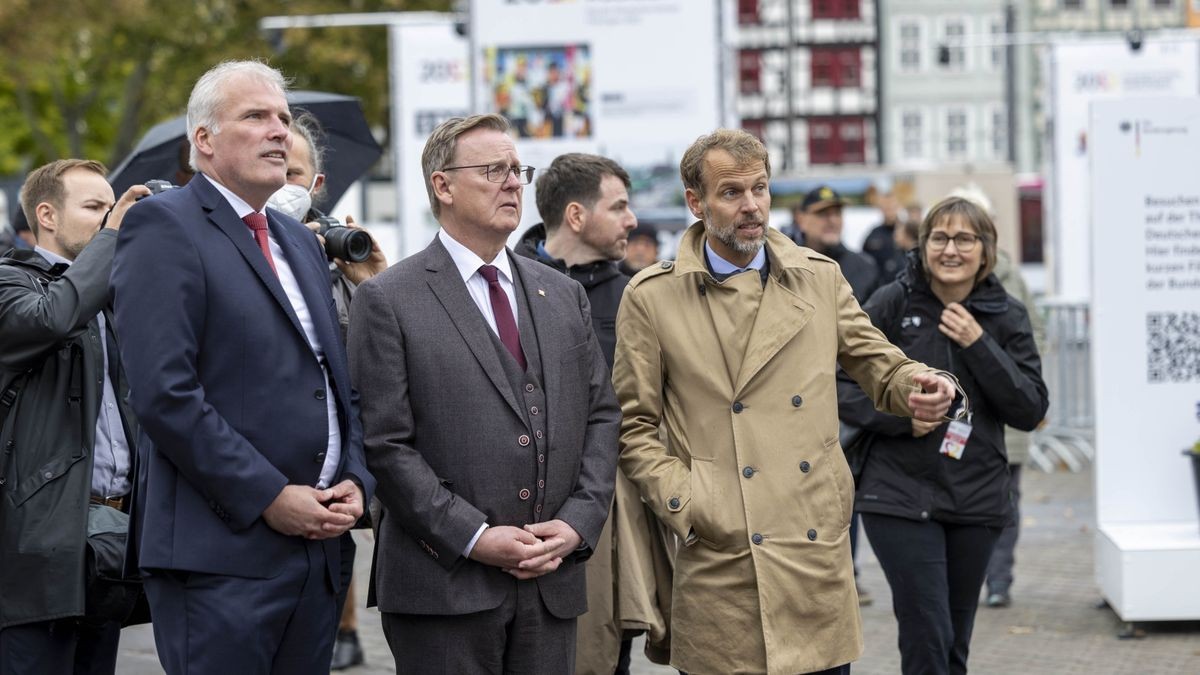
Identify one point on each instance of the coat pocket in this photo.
(704, 498)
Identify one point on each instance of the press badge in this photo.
(956, 439)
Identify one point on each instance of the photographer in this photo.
(66, 429)
(305, 181)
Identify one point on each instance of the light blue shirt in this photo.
(725, 268)
(110, 453)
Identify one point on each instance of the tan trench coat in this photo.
(751, 476)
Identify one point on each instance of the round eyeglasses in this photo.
(498, 173)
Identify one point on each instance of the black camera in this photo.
(346, 243)
(156, 186)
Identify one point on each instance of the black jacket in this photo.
(859, 269)
(880, 244)
(603, 282)
(51, 345)
(1001, 373)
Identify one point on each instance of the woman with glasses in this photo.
(935, 497)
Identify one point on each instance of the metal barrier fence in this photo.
(1067, 437)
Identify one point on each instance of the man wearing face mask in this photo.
(306, 180)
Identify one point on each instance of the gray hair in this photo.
(306, 126)
(440, 147)
(208, 98)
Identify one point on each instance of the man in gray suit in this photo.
(490, 424)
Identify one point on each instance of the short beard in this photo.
(729, 237)
(71, 250)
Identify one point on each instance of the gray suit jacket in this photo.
(449, 440)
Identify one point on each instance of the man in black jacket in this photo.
(67, 433)
(819, 226)
(584, 203)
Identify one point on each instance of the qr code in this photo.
(1173, 347)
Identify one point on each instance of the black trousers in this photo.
(61, 647)
(1000, 569)
(935, 571)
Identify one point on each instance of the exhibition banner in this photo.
(634, 80)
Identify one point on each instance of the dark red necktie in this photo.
(506, 325)
(258, 223)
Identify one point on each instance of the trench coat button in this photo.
(523, 495)
(738, 407)
(666, 264)
(529, 388)
(541, 484)
(748, 472)
(523, 440)
(538, 433)
(924, 515)
(534, 410)
(757, 538)
(805, 466)
(319, 394)
(673, 503)
(812, 535)
(537, 509)
(48, 475)
(319, 458)
(541, 458)
(797, 401)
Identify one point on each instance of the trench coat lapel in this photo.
(451, 292)
(781, 316)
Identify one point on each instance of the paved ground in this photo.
(1053, 626)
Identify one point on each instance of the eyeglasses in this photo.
(963, 241)
(498, 173)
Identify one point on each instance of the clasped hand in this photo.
(303, 511)
(529, 552)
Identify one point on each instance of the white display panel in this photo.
(1082, 72)
(1145, 249)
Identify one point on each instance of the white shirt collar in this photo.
(241, 206)
(723, 266)
(468, 263)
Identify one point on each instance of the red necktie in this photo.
(506, 325)
(258, 223)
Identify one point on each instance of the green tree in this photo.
(85, 78)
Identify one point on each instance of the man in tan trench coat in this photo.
(733, 350)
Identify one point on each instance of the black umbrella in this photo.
(350, 149)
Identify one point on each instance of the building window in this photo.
(748, 13)
(999, 36)
(837, 140)
(836, 9)
(954, 32)
(999, 133)
(750, 71)
(912, 134)
(836, 67)
(910, 46)
(1164, 4)
(956, 133)
(1119, 4)
(1072, 4)
(755, 128)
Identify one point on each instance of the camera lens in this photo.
(347, 243)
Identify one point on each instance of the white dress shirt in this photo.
(333, 449)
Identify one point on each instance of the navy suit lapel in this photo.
(222, 215)
(451, 292)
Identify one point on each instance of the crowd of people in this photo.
(559, 446)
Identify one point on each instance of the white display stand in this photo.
(1145, 205)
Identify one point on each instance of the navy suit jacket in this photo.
(230, 395)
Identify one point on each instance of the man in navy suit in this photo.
(251, 461)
